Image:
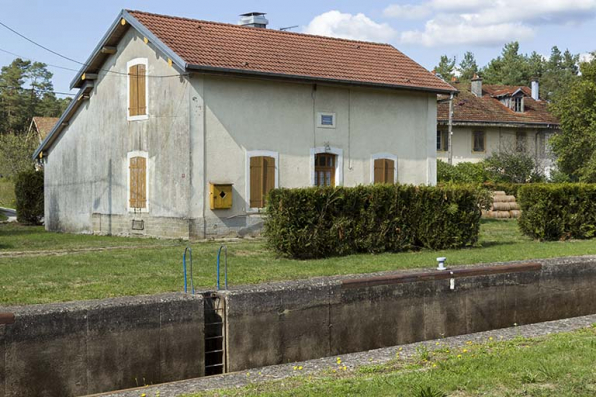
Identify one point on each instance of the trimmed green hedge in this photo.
(321, 222)
(29, 196)
(558, 211)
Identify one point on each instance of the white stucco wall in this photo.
(247, 114)
(86, 170)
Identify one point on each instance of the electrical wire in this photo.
(35, 89)
(33, 60)
(74, 60)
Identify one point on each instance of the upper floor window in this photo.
(442, 141)
(137, 89)
(478, 141)
(326, 120)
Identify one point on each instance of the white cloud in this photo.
(481, 22)
(586, 57)
(348, 26)
(407, 11)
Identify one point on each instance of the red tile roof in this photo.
(469, 108)
(267, 51)
(44, 125)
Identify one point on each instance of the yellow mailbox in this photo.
(221, 195)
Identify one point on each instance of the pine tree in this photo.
(446, 67)
(468, 67)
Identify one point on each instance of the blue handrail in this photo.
(225, 248)
(192, 285)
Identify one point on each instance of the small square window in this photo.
(326, 120)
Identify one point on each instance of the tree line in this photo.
(26, 91)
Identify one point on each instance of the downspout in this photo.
(450, 133)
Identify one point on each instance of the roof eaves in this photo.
(528, 124)
(315, 79)
(77, 81)
(55, 131)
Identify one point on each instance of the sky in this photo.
(423, 30)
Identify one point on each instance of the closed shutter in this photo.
(379, 171)
(133, 92)
(141, 91)
(138, 182)
(262, 180)
(389, 171)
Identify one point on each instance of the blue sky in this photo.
(423, 30)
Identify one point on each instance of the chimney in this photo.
(476, 87)
(253, 20)
(535, 90)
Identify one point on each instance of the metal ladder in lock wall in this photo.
(215, 335)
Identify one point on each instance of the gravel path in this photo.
(351, 361)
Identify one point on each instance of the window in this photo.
(442, 141)
(137, 89)
(520, 141)
(137, 182)
(262, 174)
(326, 120)
(384, 170)
(326, 166)
(518, 104)
(478, 141)
(325, 169)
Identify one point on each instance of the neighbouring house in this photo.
(496, 118)
(181, 126)
(41, 126)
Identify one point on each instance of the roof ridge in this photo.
(270, 31)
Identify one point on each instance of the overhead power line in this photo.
(33, 60)
(35, 89)
(74, 60)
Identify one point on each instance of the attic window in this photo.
(518, 104)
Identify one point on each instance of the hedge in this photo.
(558, 211)
(321, 222)
(29, 196)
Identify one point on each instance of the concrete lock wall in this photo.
(304, 320)
(80, 348)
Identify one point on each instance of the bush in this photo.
(461, 173)
(29, 197)
(515, 167)
(321, 222)
(558, 211)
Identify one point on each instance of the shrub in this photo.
(461, 173)
(558, 211)
(321, 222)
(29, 197)
(514, 167)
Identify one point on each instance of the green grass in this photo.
(148, 266)
(559, 365)
(7, 197)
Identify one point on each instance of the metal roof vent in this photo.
(253, 20)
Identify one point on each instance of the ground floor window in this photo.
(137, 181)
(384, 168)
(262, 175)
(478, 141)
(325, 164)
(442, 141)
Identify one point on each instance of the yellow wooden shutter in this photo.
(269, 177)
(133, 92)
(141, 91)
(256, 182)
(138, 182)
(389, 171)
(379, 174)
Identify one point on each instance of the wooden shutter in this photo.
(379, 171)
(262, 180)
(256, 182)
(138, 182)
(389, 171)
(141, 91)
(133, 93)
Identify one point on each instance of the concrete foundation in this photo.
(80, 348)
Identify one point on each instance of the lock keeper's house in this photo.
(181, 126)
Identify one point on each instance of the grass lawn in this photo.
(560, 365)
(7, 197)
(147, 266)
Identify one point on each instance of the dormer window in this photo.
(517, 104)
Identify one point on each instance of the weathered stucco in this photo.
(199, 129)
